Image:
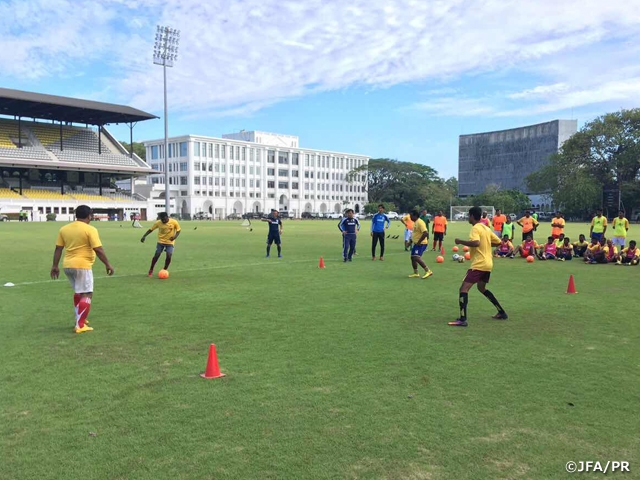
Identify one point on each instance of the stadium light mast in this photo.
(165, 52)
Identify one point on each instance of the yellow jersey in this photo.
(419, 227)
(528, 224)
(557, 230)
(620, 227)
(166, 231)
(482, 255)
(598, 224)
(79, 239)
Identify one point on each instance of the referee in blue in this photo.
(379, 223)
(349, 226)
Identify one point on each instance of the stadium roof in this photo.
(65, 109)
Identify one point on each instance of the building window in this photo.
(271, 171)
(196, 149)
(271, 184)
(196, 166)
(271, 156)
(283, 184)
(223, 182)
(252, 183)
(251, 170)
(283, 158)
(251, 154)
(210, 180)
(294, 173)
(257, 183)
(306, 174)
(183, 149)
(223, 168)
(183, 180)
(295, 158)
(196, 180)
(244, 183)
(217, 168)
(184, 166)
(210, 150)
(244, 153)
(238, 169)
(154, 152)
(306, 159)
(257, 170)
(223, 149)
(217, 151)
(272, 195)
(244, 169)
(283, 173)
(238, 153)
(237, 182)
(231, 152)
(211, 167)
(294, 185)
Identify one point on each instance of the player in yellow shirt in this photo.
(481, 239)
(629, 255)
(620, 229)
(580, 247)
(168, 231)
(598, 227)
(420, 238)
(565, 251)
(82, 244)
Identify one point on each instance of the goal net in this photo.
(461, 212)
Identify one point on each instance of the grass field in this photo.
(347, 372)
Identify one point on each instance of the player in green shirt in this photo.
(425, 217)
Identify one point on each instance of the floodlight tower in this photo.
(165, 52)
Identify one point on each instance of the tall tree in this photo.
(605, 151)
(138, 148)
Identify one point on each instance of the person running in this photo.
(480, 241)
(629, 255)
(528, 247)
(499, 219)
(620, 229)
(349, 226)
(275, 230)
(379, 223)
(168, 231)
(508, 229)
(439, 230)
(505, 249)
(83, 245)
(549, 250)
(420, 239)
(598, 227)
(565, 251)
(408, 231)
(528, 224)
(580, 247)
(557, 226)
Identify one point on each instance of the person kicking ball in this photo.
(481, 239)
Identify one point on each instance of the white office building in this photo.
(255, 172)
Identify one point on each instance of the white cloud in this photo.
(238, 57)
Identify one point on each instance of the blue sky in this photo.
(394, 78)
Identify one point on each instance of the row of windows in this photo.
(175, 150)
(327, 161)
(333, 197)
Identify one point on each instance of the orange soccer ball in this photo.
(163, 274)
(455, 249)
(439, 259)
(465, 248)
(530, 259)
(467, 256)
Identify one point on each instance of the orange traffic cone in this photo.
(442, 251)
(571, 288)
(321, 263)
(213, 369)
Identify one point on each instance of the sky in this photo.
(386, 78)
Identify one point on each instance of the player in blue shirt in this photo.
(349, 226)
(379, 223)
(275, 230)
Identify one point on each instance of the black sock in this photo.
(153, 263)
(268, 249)
(167, 262)
(463, 300)
(493, 300)
(279, 249)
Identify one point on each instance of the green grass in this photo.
(348, 372)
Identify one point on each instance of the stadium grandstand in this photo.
(55, 154)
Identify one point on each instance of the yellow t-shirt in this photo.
(528, 224)
(482, 256)
(419, 227)
(79, 239)
(620, 227)
(166, 231)
(408, 222)
(598, 224)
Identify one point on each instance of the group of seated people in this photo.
(599, 250)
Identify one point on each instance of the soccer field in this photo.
(346, 372)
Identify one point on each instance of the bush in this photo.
(51, 217)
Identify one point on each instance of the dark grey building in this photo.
(506, 157)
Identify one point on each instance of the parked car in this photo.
(4, 218)
(234, 216)
(202, 216)
(284, 214)
(393, 215)
(513, 217)
(309, 215)
(333, 215)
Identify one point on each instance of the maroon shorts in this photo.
(475, 276)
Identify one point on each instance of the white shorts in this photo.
(618, 241)
(407, 234)
(81, 279)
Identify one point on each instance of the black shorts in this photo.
(438, 236)
(528, 234)
(273, 238)
(475, 276)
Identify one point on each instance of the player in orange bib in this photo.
(439, 230)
